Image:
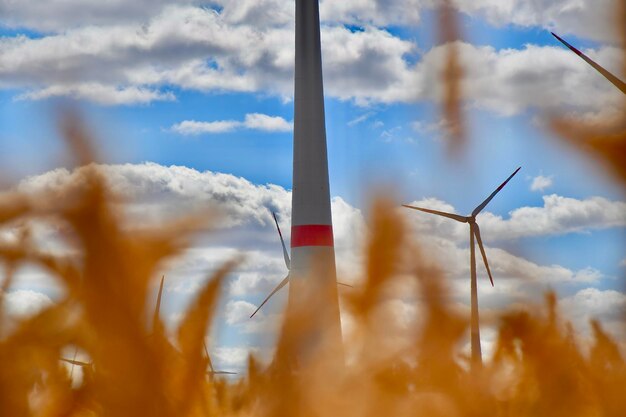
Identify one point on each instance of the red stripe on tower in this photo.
(312, 235)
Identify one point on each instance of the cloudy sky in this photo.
(192, 101)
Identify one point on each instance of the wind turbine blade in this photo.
(456, 217)
(208, 357)
(484, 203)
(345, 285)
(75, 362)
(72, 367)
(157, 308)
(612, 78)
(282, 284)
(482, 251)
(285, 254)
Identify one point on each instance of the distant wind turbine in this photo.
(211, 372)
(612, 78)
(75, 362)
(157, 308)
(474, 232)
(155, 328)
(287, 264)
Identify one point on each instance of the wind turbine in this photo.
(212, 372)
(612, 78)
(155, 328)
(287, 264)
(476, 359)
(75, 362)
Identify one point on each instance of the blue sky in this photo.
(373, 140)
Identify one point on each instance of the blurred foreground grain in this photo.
(134, 369)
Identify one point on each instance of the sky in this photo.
(192, 101)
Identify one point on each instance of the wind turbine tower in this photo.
(312, 274)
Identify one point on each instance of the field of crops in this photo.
(136, 368)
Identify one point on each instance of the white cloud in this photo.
(259, 13)
(426, 224)
(360, 119)
(235, 357)
(139, 54)
(102, 94)
(595, 19)
(606, 306)
(585, 18)
(238, 312)
(516, 278)
(258, 121)
(238, 315)
(25, 303)
(199, 49)
(508, 81)
(157, 192)
(377, 12)
(259, 274)
(510, 266)
(59, 15)
(439, 129)
(191, 127)
(559, 215)
(541, 183)
(253, 121)
(596, 303)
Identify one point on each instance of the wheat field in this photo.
(538, 367)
